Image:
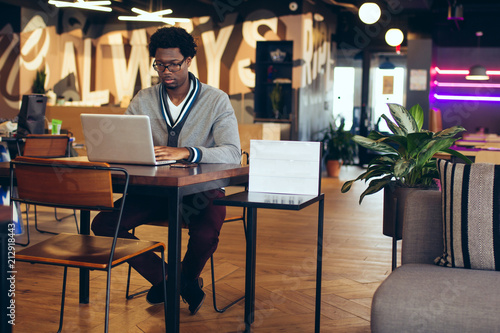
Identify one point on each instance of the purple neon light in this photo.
(466, 85)
(462, 71)
(468, 98)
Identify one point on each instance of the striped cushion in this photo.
(471, 215)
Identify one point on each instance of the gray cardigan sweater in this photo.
(209, 130)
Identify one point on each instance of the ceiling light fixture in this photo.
(318, 17)
(91, 5)
(387, 64)
(477, 72)
(455, 11)
(157, 16)
(369, 13)
(394, 37)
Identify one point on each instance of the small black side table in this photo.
(254, 200)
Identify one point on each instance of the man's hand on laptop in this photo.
(163, 153)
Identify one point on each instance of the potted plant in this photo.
(276, 97)
(39, 82)
(338, 149)
(405, 162)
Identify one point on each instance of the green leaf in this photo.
(450, 132)
(375, 186)
(457, 154)
(433, 148)
(399, 140)
(417, 142)
(384, 159)
(347, 186)
(392, 126)
(374, 145)
(417, 114)
(403, 167)
(403, 118)
(374, 135)
(377, 172)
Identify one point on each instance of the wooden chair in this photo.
(165, 224)
(45, 146)
(488, 156)
(435, 120)
(84, 186)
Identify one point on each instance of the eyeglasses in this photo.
(159, 67)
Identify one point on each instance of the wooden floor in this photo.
(357, 258)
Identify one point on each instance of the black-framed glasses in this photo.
(159, 67)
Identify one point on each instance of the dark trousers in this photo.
(203, 219)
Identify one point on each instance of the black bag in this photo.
(31, 119)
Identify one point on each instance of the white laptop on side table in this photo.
(123, 139)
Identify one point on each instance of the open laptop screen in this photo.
(124, 139)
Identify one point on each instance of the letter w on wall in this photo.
(125, 75)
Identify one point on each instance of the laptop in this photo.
(123, 139)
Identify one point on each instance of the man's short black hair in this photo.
(172, 37)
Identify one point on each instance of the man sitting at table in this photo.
(193, 122)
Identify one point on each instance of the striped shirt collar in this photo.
(190, 98)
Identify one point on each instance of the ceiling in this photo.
(427, 17)
(430, 18)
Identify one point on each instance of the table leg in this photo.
(84, 273)
(174, 267)
(250, 267)
(319, 266)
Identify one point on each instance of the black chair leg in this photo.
(127, 294)
(108, 295)
(61, 316)
(36, 225)
(213, 291)
(213, 275)
(27, 229)
(164, 271)
(59, 219)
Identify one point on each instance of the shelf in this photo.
(286, 63)
(266, 71)
(273, 83)
(272, 120)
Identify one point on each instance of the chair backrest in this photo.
(489, 144)
(57, 183)
(488, 156)
(287, 167)
(46, 145)
(262, 131)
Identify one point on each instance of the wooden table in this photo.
(173, 184)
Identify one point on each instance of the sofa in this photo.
(420, 296)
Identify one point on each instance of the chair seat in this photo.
(84, 251)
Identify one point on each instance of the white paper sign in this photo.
(288, 167)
